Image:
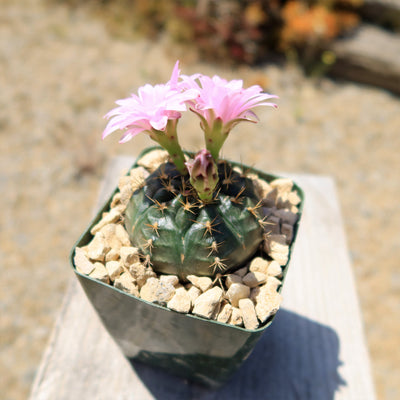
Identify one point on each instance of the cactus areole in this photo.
(198, 216)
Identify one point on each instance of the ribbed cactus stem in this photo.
(168, 139)
(180, 235)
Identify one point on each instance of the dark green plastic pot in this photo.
(201, 350)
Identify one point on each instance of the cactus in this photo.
(180, 234)
(198, 216)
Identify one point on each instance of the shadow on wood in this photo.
(310, 363)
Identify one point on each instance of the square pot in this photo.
(201, 350)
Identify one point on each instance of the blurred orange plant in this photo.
(238, 31)
(313, 25)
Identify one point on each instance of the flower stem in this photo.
(168, 139)
(215, 138)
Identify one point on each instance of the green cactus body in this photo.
(181, 235)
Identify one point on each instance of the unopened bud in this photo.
(203, 174)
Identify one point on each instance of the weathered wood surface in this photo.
(315, 348)
(382, 12)
(371, 55)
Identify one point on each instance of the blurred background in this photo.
(335, 65)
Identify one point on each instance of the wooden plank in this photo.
(315, 349)
(382, 12)
(371, 55)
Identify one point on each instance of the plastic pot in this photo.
(201, 350)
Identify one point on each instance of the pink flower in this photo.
(226, 101)
(150, 110)
(221, 105)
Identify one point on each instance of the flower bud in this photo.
(203, 174)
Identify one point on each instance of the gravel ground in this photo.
(60, 71)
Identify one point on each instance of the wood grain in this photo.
(315, 348)
(370, 55)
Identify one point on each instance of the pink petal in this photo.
(159, 123)
(130, 133)
(174, 76)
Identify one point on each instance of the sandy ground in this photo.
(61, 71)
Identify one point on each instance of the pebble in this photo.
(138, 177)
(202, 282)
(262, 188)
(225, 313)
(242, 271)
(236, 317)
(249, 315)
(126, 283)
(129, 255)
(267, 301)
(112, 255)
(116, 200)
(180, 301)
(110, 236)
(272, 225)
(286, 216)
(282, 184)
(153, 159)
(274, 269)
(287, 230)
(282, 200)
(107, 218)
(124, 181)
(82, 263)
(217, 309)
(275, 246)
(273, 283)
(236, 292)
(270, 199)
(194, 292)
(149, 290)
(294, 198)
(267, 211)
(97, 248)
(253, 279)
(141, 273)
(130, 183)
(232, 278)
(122, 235)
(100, 273)
(114, 269)
(259, 264)
(206, 304)
(172, 279)
(281, 258)
(126, 194)
(254, 293)
(157, 292)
